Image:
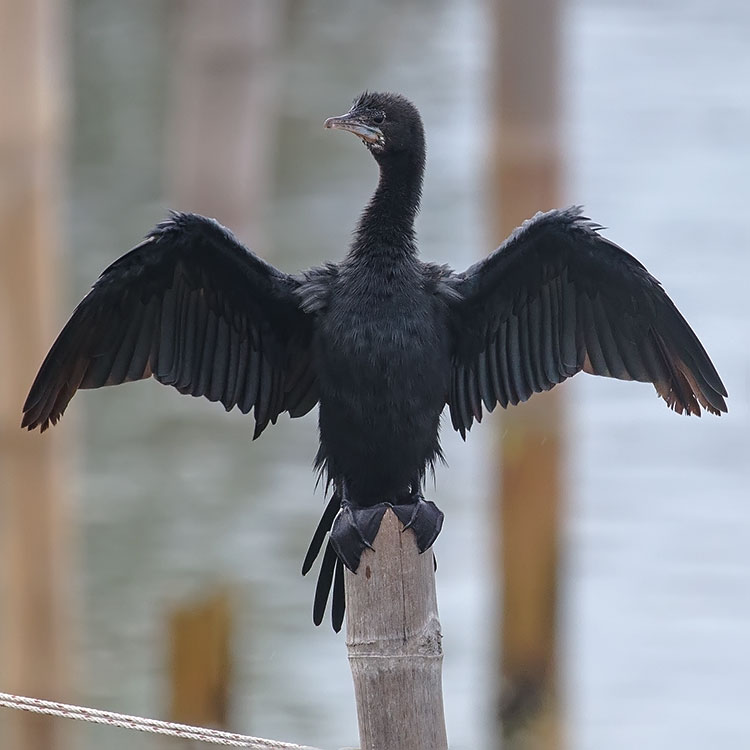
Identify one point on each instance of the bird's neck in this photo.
(386, 227)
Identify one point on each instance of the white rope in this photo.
(141, 724)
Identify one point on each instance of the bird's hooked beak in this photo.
(354, 124)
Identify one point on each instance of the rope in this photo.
(141, 724)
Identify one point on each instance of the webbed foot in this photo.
(355, 527)
(354, 530)
(423, 517)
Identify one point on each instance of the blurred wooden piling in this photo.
(200, 665)
(394, 641)
(525, 178)
(34, 516)
(220, 149)
(221, 125)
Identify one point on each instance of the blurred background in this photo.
(143, 501)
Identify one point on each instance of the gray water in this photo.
(174, 497)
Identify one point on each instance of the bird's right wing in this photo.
(196, 310)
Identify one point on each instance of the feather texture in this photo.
(557, 298)
(186, 306)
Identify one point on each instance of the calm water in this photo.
(174, 497)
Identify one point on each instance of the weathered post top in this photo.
(394, 642)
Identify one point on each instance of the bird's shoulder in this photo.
(314, 287)
(441, 281)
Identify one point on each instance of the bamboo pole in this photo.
(526, 167)
(34, 517)
(394, 641)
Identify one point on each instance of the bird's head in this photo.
(388, 124)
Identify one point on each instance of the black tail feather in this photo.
(324, 526)
(338, 606)
(323, 587)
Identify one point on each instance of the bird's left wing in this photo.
(196, 310)
(557, 298)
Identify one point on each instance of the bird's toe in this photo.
(354, 530)
(423, 517)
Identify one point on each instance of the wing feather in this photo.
(220, 361)
(518, 381)
(143, 345)
(483, 375)
(609, 347)
(499, 392)
(547, 331)
(502, 341)
(251, 382)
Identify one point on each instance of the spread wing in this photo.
(196, 310)
(557, 298)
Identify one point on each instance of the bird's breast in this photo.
(383, 366)
(376, 351)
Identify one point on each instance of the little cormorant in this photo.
(381, 341)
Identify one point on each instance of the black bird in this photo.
(382, 341)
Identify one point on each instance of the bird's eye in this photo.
(378, 117)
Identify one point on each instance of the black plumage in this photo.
(382, 341)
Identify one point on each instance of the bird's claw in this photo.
(355, 527)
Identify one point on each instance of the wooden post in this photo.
(35, 596)
(200, 661)
(394, 642)
(525, 179)
(223, 105)
(220, 146)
